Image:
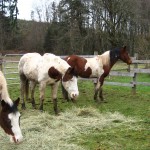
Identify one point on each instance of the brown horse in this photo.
(87, 67)
(9, 114)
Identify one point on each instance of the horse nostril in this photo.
(74, 95)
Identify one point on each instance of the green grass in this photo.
(122, 123)
(117, 136)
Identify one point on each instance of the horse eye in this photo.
(9, 121)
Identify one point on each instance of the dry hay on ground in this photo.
(43, 131)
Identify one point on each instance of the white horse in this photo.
(46, 69)
(9, 114)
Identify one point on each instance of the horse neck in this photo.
(5, 95)
(64, 67)
(107, 62)
(112, 63)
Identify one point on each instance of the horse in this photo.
(47, 69)
(88, 67)
(9, 114)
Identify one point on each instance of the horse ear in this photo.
(72, 71)
(17, 101)
(123, 49)
(3, 103)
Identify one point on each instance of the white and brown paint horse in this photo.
(9, 114)
(46, 69)
(98, 66)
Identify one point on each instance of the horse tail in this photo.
(27, 89)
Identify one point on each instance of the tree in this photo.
(74, 12)
(8, 23)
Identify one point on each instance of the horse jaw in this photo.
(72, 88)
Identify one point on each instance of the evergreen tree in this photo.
(8, 23)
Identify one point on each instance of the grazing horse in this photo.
(46, 69)
(88, 67)
(9, 114)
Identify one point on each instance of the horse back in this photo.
(28, 65)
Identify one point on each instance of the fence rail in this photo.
(6, 61)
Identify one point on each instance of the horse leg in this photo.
(101, 94)
(27, 90)
(64, 93)
(97, 87)
(32, 89)
(42, 87)
(100, 89)
(95, 92)
(54, 88)
(22, 89)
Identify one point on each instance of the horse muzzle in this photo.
(129, 62)
(74, 96)
(16, 140)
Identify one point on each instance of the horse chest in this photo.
(106, 70)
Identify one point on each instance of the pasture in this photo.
(121, 123)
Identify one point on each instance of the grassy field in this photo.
(122, 123)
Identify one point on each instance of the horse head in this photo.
(10, 120)
(69, 81)
(124, 56)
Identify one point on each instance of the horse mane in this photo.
(114, 54)
(4, 91)
(109, 56)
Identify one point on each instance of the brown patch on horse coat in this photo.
(68, 75)
(79, 65)
(4, 120)
(4, 124)
(54, 73)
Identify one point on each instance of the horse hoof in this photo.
(23, 107)
(33, 107)
(41, 109)
(95, 98)
(99, 102)
(28, 99)
(57, 114)
(63, 100)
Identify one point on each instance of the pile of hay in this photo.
(43, 131)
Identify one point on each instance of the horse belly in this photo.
(50, 81)
(93, 65)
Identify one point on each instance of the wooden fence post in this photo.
(95, 52)
(1, 64)
(136, 57)
(134, 83)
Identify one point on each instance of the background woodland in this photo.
(77, 26)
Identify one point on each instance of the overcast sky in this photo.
(26, 6)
